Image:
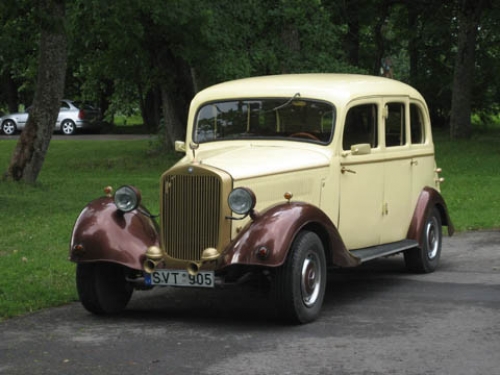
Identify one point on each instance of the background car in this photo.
(72, 116)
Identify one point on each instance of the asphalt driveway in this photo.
(377, 319)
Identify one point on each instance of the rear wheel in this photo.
(425, 259)
(102, 287)
(68, 127)
(9, 127)
(300, 283)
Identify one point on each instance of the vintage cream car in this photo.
(283, 178)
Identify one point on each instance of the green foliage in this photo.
(37, 221)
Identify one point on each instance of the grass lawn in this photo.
(36, 222)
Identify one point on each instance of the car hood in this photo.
(253, 161)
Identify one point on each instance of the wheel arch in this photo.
(102, 233)
(428, 199)
(276, 228)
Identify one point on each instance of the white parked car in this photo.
(72, 116)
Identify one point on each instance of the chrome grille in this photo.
(191, 214)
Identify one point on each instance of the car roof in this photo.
(338, 88)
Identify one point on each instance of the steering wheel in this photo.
(304, 135)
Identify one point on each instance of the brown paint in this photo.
(276, 229)
(428, 198)
(103, 233)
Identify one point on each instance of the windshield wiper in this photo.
(297, 95)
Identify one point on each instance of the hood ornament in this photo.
(194, 146)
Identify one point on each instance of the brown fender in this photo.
(276, 229)
(103, 233)
(428, 199)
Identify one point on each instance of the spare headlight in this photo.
(127, 198)
(241, 201)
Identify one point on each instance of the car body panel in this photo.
(103, 233)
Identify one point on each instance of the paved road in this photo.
(88, 137)
(376, 320)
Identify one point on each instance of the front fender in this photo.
(276, 229)
(428, 199)
(103, 233)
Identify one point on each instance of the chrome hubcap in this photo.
(310, 279)
(432, 238)
(8, 128)
(67, 127)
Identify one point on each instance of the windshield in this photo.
(278, 118)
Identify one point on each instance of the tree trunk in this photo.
(171, 120)
(29, 154)
(352, 40)
(379, 36)
(469, 15)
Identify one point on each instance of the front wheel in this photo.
(300, 283)
(102, 287)
(425, 258)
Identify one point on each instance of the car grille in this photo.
(193, 211)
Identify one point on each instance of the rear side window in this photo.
(417, 128)
(395, 130)
(361, 126)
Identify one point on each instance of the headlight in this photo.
(241, 201)
(127, 198)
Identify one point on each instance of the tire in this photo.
(299, 286)
(102, 287)
(425, 259)
(68, 127)
(9, 127)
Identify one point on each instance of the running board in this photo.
(374, 252)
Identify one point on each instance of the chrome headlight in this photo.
(241, 201)
(127, 198)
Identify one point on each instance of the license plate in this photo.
(203, 279)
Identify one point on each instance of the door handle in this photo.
(344, 170)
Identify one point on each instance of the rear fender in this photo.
(104, 233)
(428, 199)
(275, 230)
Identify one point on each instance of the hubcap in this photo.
(67, 127)
(310, 279)
(432, 238)
(8, 128)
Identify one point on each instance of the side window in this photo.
(417, 128)
(360, 126)
(395, 134)
(64, 106)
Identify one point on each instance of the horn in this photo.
(154, 256)
(193, 268)
(150, 265)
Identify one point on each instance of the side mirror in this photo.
(361, 149)
(180, 146)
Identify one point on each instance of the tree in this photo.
(469, 15)
(29, 154)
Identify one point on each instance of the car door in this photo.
(361, 176)
(398, 166)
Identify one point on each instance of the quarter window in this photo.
(416, 125)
